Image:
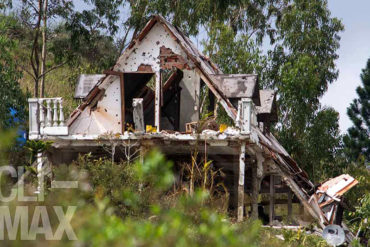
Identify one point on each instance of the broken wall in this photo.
(106, 114)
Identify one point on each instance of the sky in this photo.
(353, 53)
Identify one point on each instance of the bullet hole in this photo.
(144, 54)
(105, 110)
(119, 122)
(116, 115)
(157, 42)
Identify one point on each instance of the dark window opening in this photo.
(170, 103)
(138, 85)
(206, 101)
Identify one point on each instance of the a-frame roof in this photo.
(203, 64)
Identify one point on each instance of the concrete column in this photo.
(241, 183)
(40, 177)
(260, 160)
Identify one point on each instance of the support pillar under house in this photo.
(240, 211)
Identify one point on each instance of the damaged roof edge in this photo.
(198, 58)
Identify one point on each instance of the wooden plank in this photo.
(157, 105)
(272, 198)
(276, 202)
(299, 193)
(123, 109)
(240, 213)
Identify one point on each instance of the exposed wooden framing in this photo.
(122, 91)
(240, 213)
(254, 194)
(299, 193)
(177, 101)
(290, 209)
(276, 202)
(226, 104)
(230, 110)
(272, 198)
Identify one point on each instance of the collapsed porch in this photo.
(248, 170)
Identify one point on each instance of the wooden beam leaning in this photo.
(122, 91)
(240, 212)
(272, 199)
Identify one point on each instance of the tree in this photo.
(357, 140)
(34, 15)
(299, 67)
(302, 64)
(11, 96)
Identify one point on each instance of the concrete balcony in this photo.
(46, 118)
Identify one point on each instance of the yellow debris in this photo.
(223, 127)
(151, 129)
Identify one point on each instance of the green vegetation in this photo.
(134, 205)
(45, 46)
(357, 141)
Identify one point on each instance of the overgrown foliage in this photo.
(357, 141)
(11, 96)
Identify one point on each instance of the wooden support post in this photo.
(272, 198)
(142, 155)
(157, 104)
(241, 183)
(289, 206)
(123, 107)
(254, 196)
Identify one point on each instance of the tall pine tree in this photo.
(357, 141)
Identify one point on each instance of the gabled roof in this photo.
(204, 65)
(239, 86)
(85, 83)
(267, 111)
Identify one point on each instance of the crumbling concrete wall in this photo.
(105, 115)
(189, 101)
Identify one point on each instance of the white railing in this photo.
(46, 117)
(247, 115)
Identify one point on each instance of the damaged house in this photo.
(154, 96)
